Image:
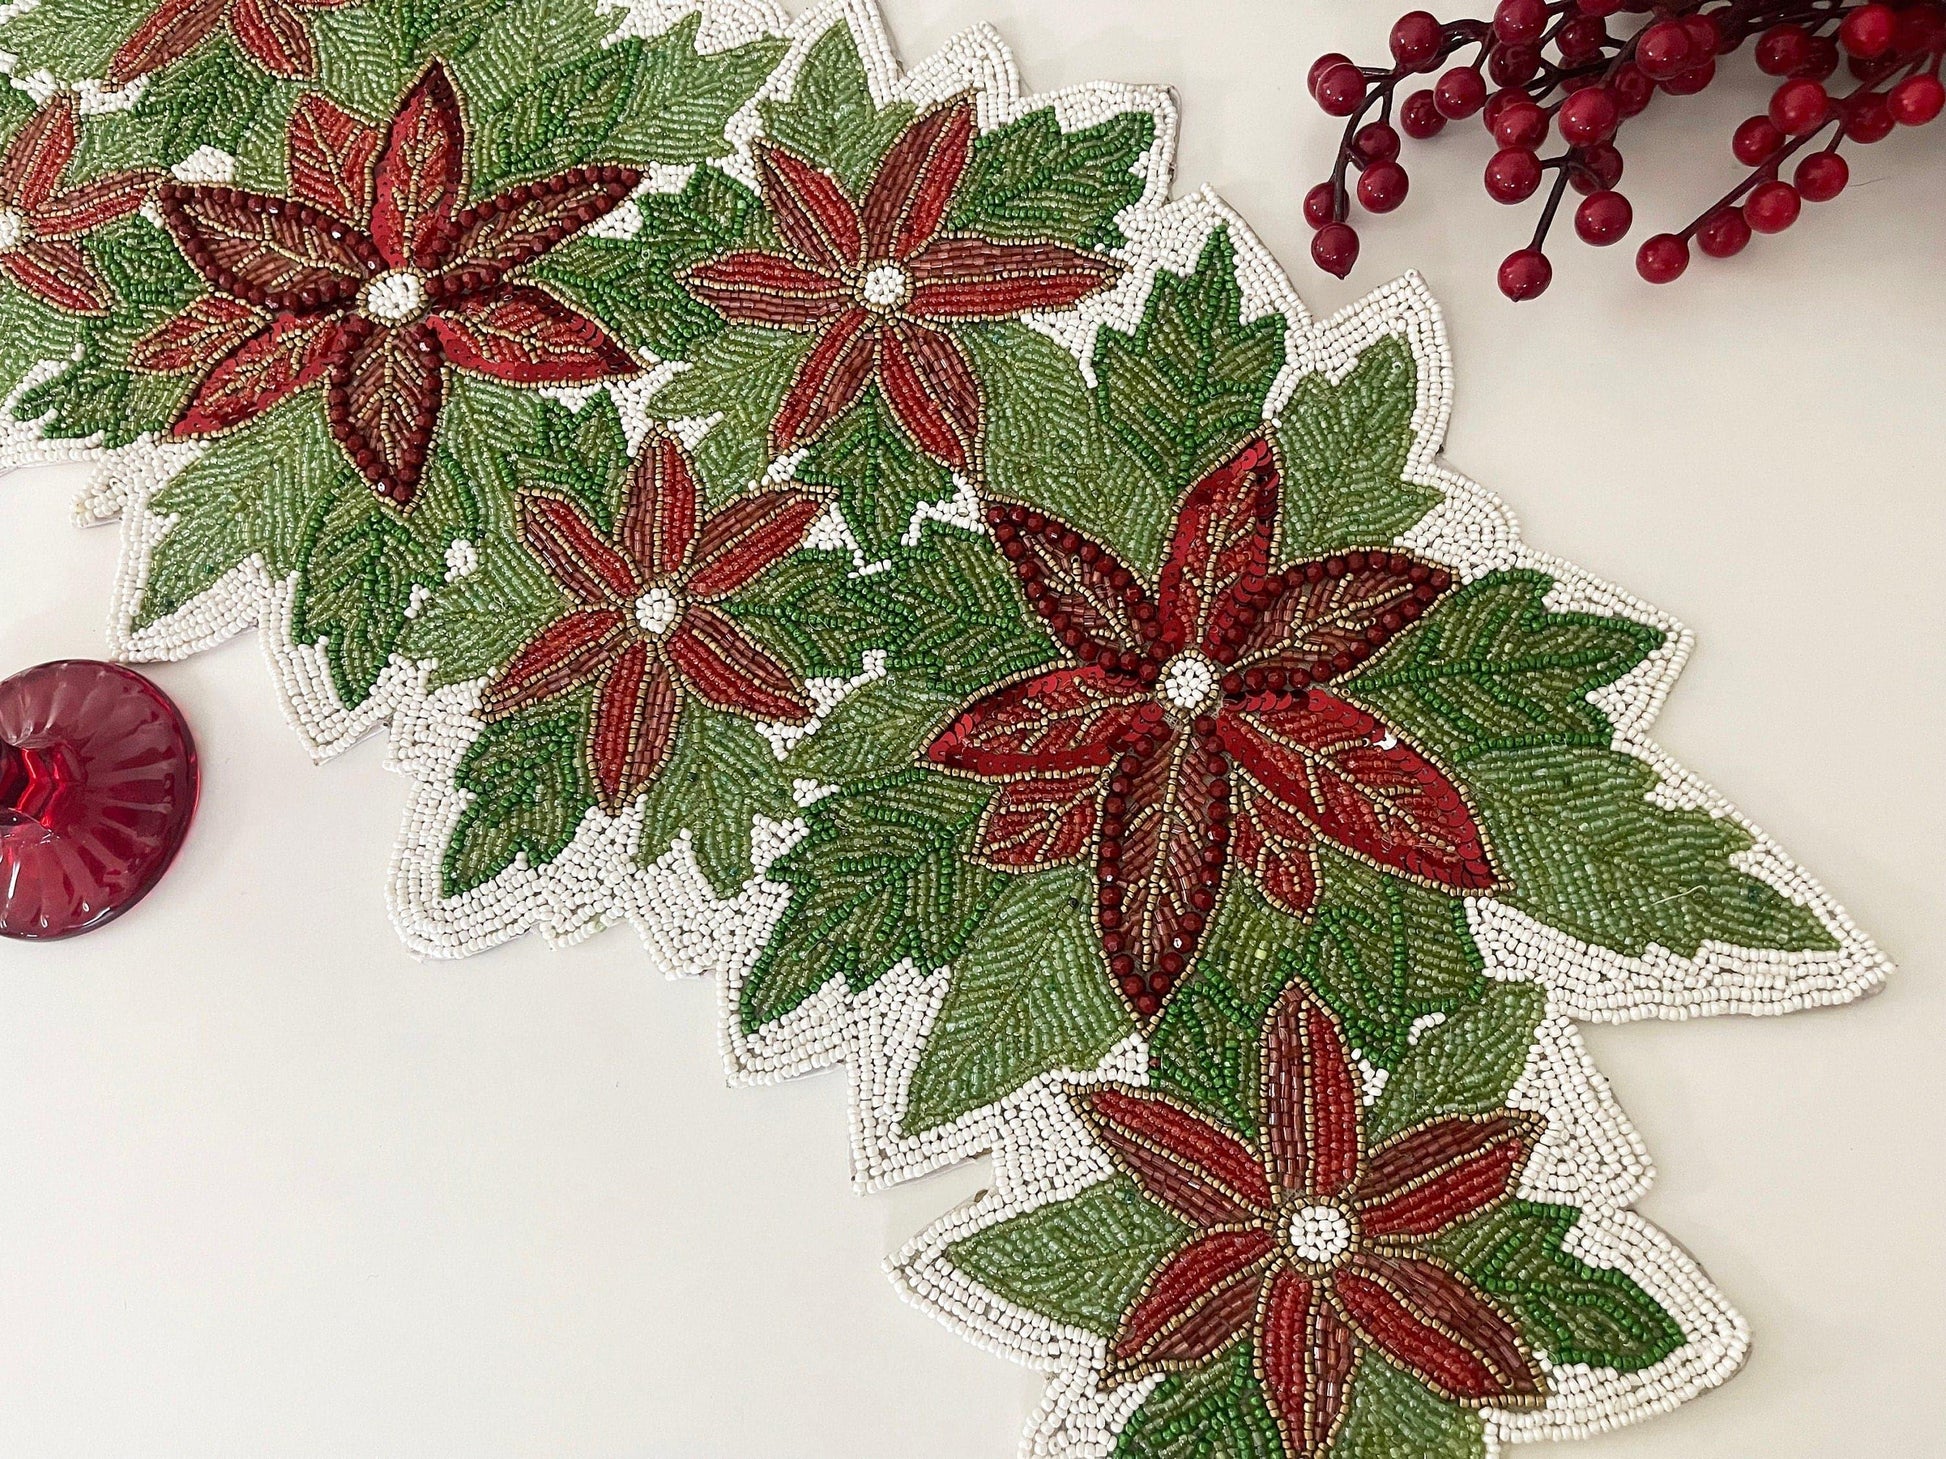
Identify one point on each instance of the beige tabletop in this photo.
(270, 1188)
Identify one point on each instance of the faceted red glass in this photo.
(98, 782)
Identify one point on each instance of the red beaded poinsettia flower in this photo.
(1193, 736)
(373, 278)
(41, 223)
(273, 33)
(644, 626)
(879, 283)
(1312, 1244)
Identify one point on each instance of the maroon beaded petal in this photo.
(98, 782)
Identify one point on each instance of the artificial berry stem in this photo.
(1544, 68)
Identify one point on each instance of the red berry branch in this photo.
(1556, 69)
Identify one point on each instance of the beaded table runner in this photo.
(859, 527)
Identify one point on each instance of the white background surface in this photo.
(269, 1187)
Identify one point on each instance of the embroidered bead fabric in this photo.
(860, 527)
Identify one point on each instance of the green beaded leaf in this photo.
(493, 46)
(251, 493)
(360, 569)
(720, 775)
(636, 284)
(1389, 1414)
(951, 622)
(830, 117)
(954, 618)
(738, 375)
(1028, 995)
(71, 38)
(1031, 180)
(1464, 1065)
(811, 611)
(1343, 449)
(1495, 685)
(633, 101)
(214, 98)
(30, 334)
(1382, 951)
(868, 462)
(1493, 668)
(879, 725)
(1179, 395)
(1586, 851)
(531, 787)
(582, 453)
(1173, 399)
(468, 628)
(1044, 442)
(1216, 1411)
(1078, 1261)
(97, 395)
(884, 873)
(1567, 1309)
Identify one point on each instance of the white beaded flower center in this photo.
(396, 298)
(1318, 1234)
(885, 287)
(1188, 682)
(13, 229)
(656, 610)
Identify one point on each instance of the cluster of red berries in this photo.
(1554, 68)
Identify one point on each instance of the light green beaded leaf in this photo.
(884, 873)
(636, 283)
(1496, 686)
(1078, 1261)
(1493, 668)
(1392, 1415)
(1181, 394)
(830, 118)
(1574, 1312)
(1031, 180)
(253, 494)
(1343, 449)
(719, 777)
(1585, 850)
(1216, 1411)
(530, 787)
(1465, 1064)
(1027, 996)
(879, 480)
(739, 376)
(1383, 952)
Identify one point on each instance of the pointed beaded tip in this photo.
(98, 781)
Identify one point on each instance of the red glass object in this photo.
(98, 782)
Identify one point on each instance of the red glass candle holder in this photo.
(98, 782)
